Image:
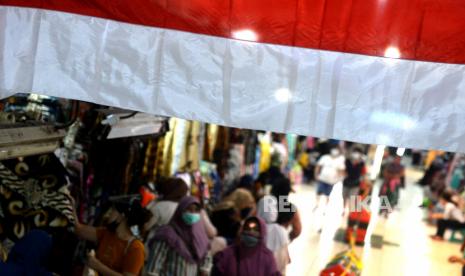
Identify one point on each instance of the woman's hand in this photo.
(93, 262)
(102, 269)
(454, 259)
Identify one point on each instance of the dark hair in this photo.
(357, 149)
(334, 146)
(136, 215)
(281, 187)
(134, 212)
(246, 182)
(286, 217)
(172, 189)
(447, 196)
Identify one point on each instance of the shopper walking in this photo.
(355, 170)
(181, 247)
(330, 170)
(393, 176)
(249, 256)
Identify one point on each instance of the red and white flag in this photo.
(373, 71)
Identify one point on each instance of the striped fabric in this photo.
(163, 261)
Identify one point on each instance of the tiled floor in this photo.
(407, 248)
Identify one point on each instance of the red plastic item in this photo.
(429, 30)
(147, 196)
(336, 270)
(362, 220)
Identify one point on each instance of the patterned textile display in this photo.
(149, 168)
(265, 155)
(221, 151)
(159, 161)
(211, 134)
(179, 145)
(192, 153)
(33, 195)
(250, 142)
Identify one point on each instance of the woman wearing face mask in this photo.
(249, 256)
(227, 215)
(181, 247)
(119, 252)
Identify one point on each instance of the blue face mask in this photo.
(249, 241)
(190, 218)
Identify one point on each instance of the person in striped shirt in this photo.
(181, 247)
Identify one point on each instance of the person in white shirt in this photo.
(452, 217)
(277, 238)
(329, 171)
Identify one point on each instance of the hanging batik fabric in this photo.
(221, 151)
(194, 143)
(33, 195)
(211, 135)
(159, 161)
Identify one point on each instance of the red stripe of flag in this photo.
(428, 30)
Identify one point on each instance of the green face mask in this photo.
(249, 241)
(190, 218)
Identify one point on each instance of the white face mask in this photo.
(334, 152)
(356, 156)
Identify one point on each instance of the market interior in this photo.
(100, 189)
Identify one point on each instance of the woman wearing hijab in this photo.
(277, 237)
(227, 215)
(249, 256)
(29, 256)
(181, 247)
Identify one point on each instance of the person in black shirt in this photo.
(355, 170)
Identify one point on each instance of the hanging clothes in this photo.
(180, 136)
(251, 143)
(160, 163)
(221, 151)
(191, 155)
(291, 149)
(235, 166)
(149, 169)
(265, 154)
(32, 199)
(211, 134)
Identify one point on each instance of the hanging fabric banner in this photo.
(383, 72)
